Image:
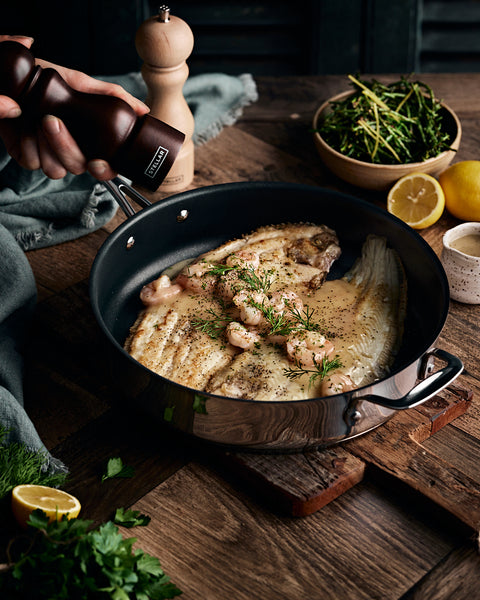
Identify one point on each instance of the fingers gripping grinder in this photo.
(142, 149)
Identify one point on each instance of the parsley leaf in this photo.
(130, 518)
(116, 468)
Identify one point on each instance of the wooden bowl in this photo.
(381, 177)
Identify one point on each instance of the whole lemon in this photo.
(461, 186)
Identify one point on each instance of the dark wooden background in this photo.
(267, 37)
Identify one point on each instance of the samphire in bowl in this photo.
(380, 177)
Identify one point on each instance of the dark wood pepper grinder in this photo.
(142, 149)
(164, 42)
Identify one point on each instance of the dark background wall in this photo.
(266, 37)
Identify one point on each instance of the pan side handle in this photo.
(428, 387)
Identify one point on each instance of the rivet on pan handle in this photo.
(119, 189)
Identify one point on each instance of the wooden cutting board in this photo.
(303, 483)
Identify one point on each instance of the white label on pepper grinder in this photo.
(156, 162)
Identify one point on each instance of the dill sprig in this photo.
(219, 270)
(303, 319)
(215, 326)
(279, 324)
(255, 282)
(389, 124)
(21, 465)
(320, 370)
(247, 274)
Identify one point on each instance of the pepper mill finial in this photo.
(164, 13)
(164, 42)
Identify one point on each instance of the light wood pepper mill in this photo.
(164, 42)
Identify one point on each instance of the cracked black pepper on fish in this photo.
(257, 318)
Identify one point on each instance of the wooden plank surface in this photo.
(206, 531)
(457, 576)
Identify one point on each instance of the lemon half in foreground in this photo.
(54, 503)
(417, 199)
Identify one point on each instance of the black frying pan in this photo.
(187, 224)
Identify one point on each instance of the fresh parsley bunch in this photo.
(68, 560)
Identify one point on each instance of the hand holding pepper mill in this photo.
(106, 127)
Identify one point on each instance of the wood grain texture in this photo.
(393, 449)
(301, 483)
(216, 543)
(457, 577)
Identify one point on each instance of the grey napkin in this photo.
(36, 212)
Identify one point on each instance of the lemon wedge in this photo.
(54, 503)
(417, 199)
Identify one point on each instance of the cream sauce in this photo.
(468, 244)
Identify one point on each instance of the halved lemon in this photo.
(54, 503)
(417, 199)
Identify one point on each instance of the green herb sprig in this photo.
(397, 123)
(68, 559)
(21, 465)
(116, 469)
(320, 370)
(215, 326)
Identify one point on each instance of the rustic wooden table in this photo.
(408, 527)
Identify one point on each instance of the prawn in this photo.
(238, 335)
(286, 300)
(336, 383)
(230, 283)
(159, 291)
(308, 348)
(243, 260)
(197, 278)
(248, 302)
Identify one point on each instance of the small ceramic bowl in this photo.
(377, 176)
(462, 264)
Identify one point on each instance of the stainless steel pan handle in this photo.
(119, 189)
(428, 387)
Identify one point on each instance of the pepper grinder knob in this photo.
(164, 42)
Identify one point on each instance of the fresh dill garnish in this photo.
(279, 324)
(303, 319)
(219, 270)
(21, 465)
(255, 282)
(320, 370)
(215, 326)
(247, 274)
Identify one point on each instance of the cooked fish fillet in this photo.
(369, 345)
(255, 318)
